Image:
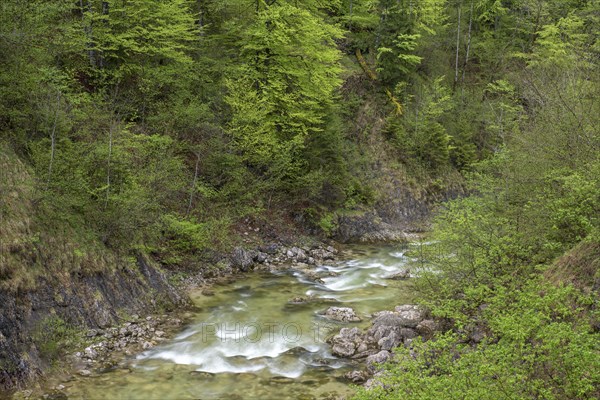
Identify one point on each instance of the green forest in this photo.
(158, 126)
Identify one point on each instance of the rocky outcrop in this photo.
(402, 207)
(33, 320)
(389, 330)
(366, 227)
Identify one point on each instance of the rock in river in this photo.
(342, 314)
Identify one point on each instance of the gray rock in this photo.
(313, 276)
(344, 348)
(407, 333)
(383, 330)
(380, 313)
(427, 328)
(400, 276)
(90, 353)
(93, 333)
(345, 343)
(147, 345)
(356, 376)
(362, 348)
(300, 254)
(298, 300)
(374, 361)
(84, 372)
(389, 342)
(242, 259)
(261, 257)
(343, 314)
(410, 315)
(350, 333)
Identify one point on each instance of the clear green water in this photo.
(248, 341)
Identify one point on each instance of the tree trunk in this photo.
(457, 45)
(89, 32)
(193, 188)
(468, 43)
(110, 145)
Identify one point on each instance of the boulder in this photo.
(270, 248)
(342, 314)
(242, 259)
(400, 276)
(426, 328)
(345, 343)
(357, 376)
(343, 348)
(389, 342)
(261, 257)
(374, 361)
(410, 315)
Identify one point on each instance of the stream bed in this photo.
(263, 336)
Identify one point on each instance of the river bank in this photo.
(306, 292)
(135, 329)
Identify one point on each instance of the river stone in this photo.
(313, 276)
(90, 353)
(300, 254)
(356, 376)
(410, 315)
(343, 314)
(389, 342)
(399, 276)
(376, 359)
(85, 372)
(386, 324)
(242, 259)
(427, 327)
(261, 257)
(407, 333)
(343, 348)
(93, 333)
(345, 343)
(298, 300)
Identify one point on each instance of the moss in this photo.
(53, 337)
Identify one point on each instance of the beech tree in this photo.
(281, 93)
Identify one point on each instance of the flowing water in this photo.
(250, 340)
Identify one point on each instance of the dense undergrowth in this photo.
(514, 266)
